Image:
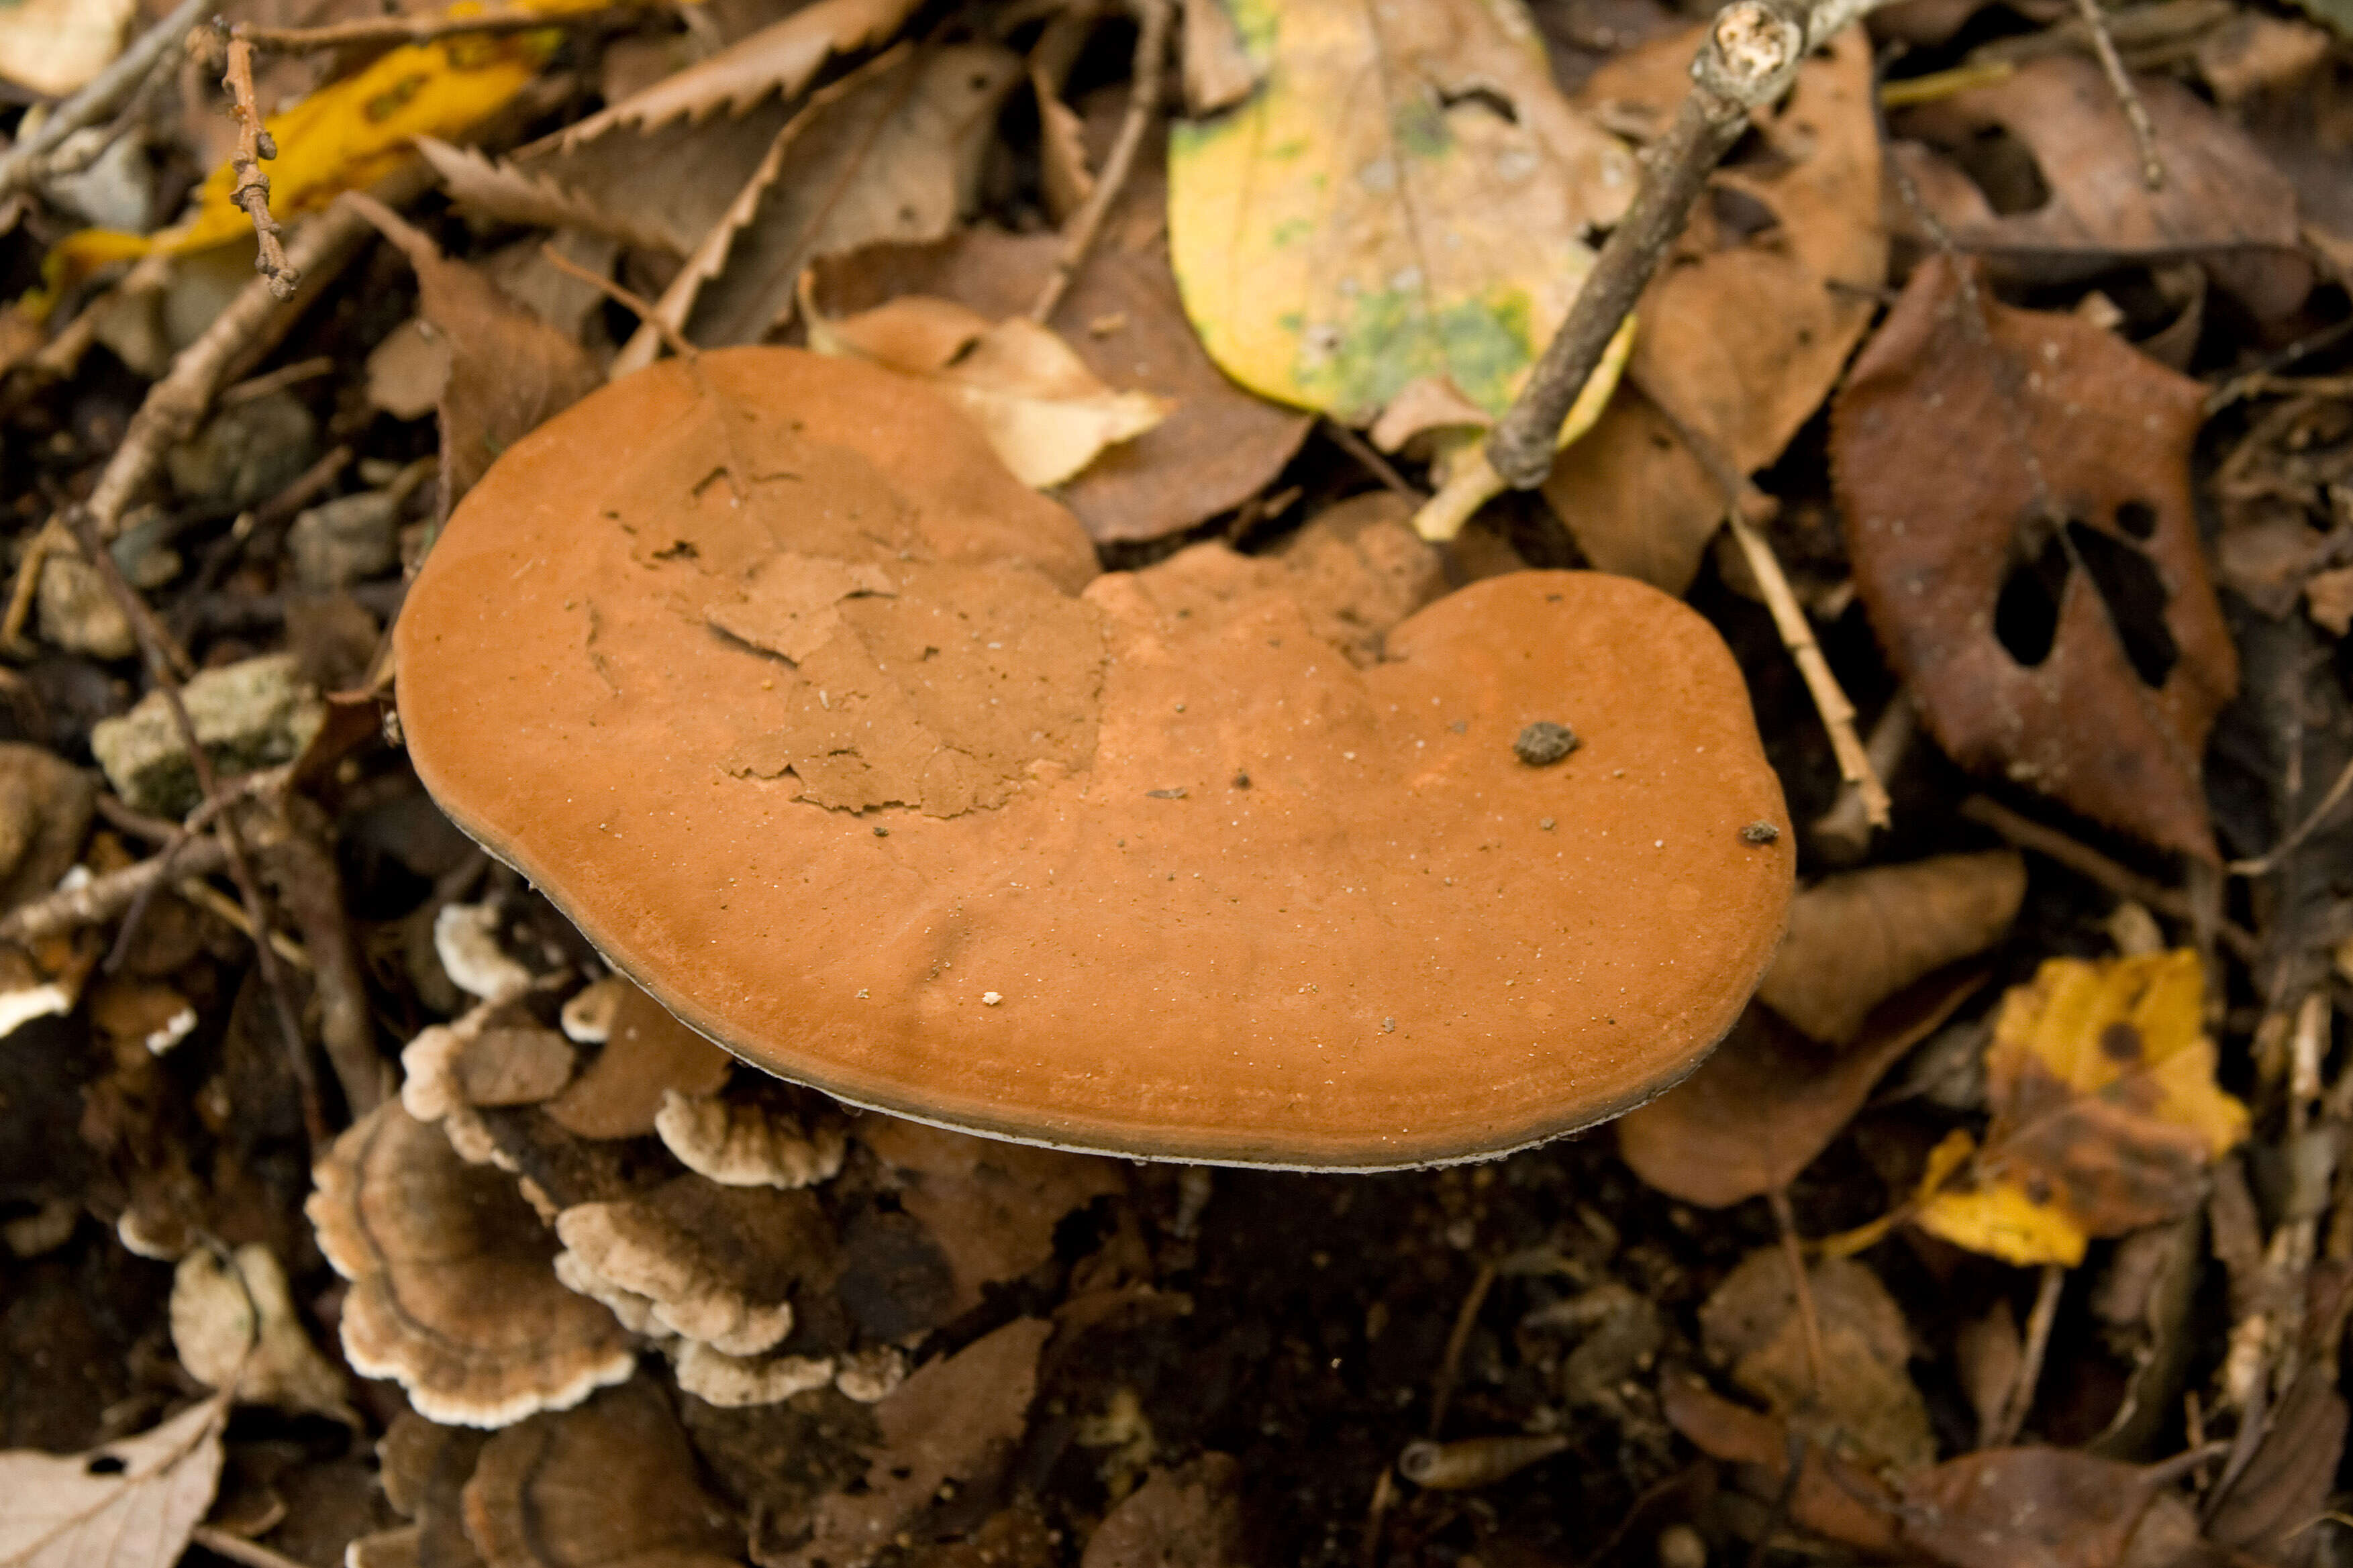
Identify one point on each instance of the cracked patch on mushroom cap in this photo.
(647, 1054)
(1373, 954)
(713, 1263)
(752, 1139)
(612, 1484)
(453, 1292)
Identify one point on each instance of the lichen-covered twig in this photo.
(255, 146)
(1144, 93)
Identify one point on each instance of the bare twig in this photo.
(176, 843)
(1751, 54)
(284, 376)
(2263, 865)
(1843, 832)
(236, 1548)
(174, 404)
(28, 162)
(2030, 1366)
(313, 893)
(1144, 93)
(1793, 1254)
(1368, 457)
(255, 146)
(1451, 1363)
(2089, 863)
(2103, 44)
(376, 31)
(102, 897)
(1829, 699)
(240, 868)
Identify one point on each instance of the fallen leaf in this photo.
(2099, 692)
(1405, 197)
(1218, 445)
(2286, 1486)
(1044, 413)
(1857, 938)
(2105, 1114)
(1769, 1100)
(610, 1484)
(233, 1322)
(1989, 1356)
(1748, 321)
(52, 48)
(1215, 69)
(648, 1055)
(942, 1424)
(2058, 192)
(2040, 1508)
(890, 151)
(1832, 1498)
(509, 371)
(1189, 1516)
(1063, 177)
(121, 1505)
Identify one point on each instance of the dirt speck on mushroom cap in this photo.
(1208, 977)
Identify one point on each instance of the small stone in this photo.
(245, 454)
(1544, 742)
(78, 615)
(1759, 833)
(247, 716)
(345, 540)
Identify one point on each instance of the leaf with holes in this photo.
(122, 1505)
(2105, 1114)
(2016, 491)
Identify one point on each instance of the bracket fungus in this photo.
(828, 733)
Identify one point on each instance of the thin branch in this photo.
(387, 31)
(236, 1548)
(1793, 1254)
(1144, 93)
(1854, 761)
(2103, 44)
(1751, 54)
(1451, 1363)
(2020, 1402)
(102, 897)
(2263, 865)
(1369, 458)
(255, 146)
(2090, 864)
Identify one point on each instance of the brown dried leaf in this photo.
(944, 1424)
(1857, 938)
(1189, 1516)
(569, 193)
(612, 1484)
(2036, 1508)
(2286, 1486)
(1937, 496)
(233, 1326)
(890, 153)
(1832, 1498)
(647, 1054)
(2073, 201)
(992, 1207)
(1744, 331)
(508, 369)
(1863, 1405)
(121, 1505)
(1769, 1100)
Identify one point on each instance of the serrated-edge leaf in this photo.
(501, 189)
(56, 1513)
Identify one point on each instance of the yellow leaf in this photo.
(1998, 1219)
(1043, 411)
(2106, 1113)
(1404, 198)
(345, 136)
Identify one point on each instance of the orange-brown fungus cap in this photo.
(810, 716)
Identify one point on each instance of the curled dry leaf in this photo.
(122, 1505)
(611, 1484)
(233, 1322)
(2076, 201)
(2044, 1508)
(453, 1289)
(1769, 1100)
(1857, 938)
(892, 151)
(1832, 1498)
(509, 371)
(1405, 197)
(1746, 325)
(2105, 1114)
(2096, 686)
(942, 1425)
(1045, 414)
(1863, 1405)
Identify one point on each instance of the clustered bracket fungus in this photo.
(828, 733)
